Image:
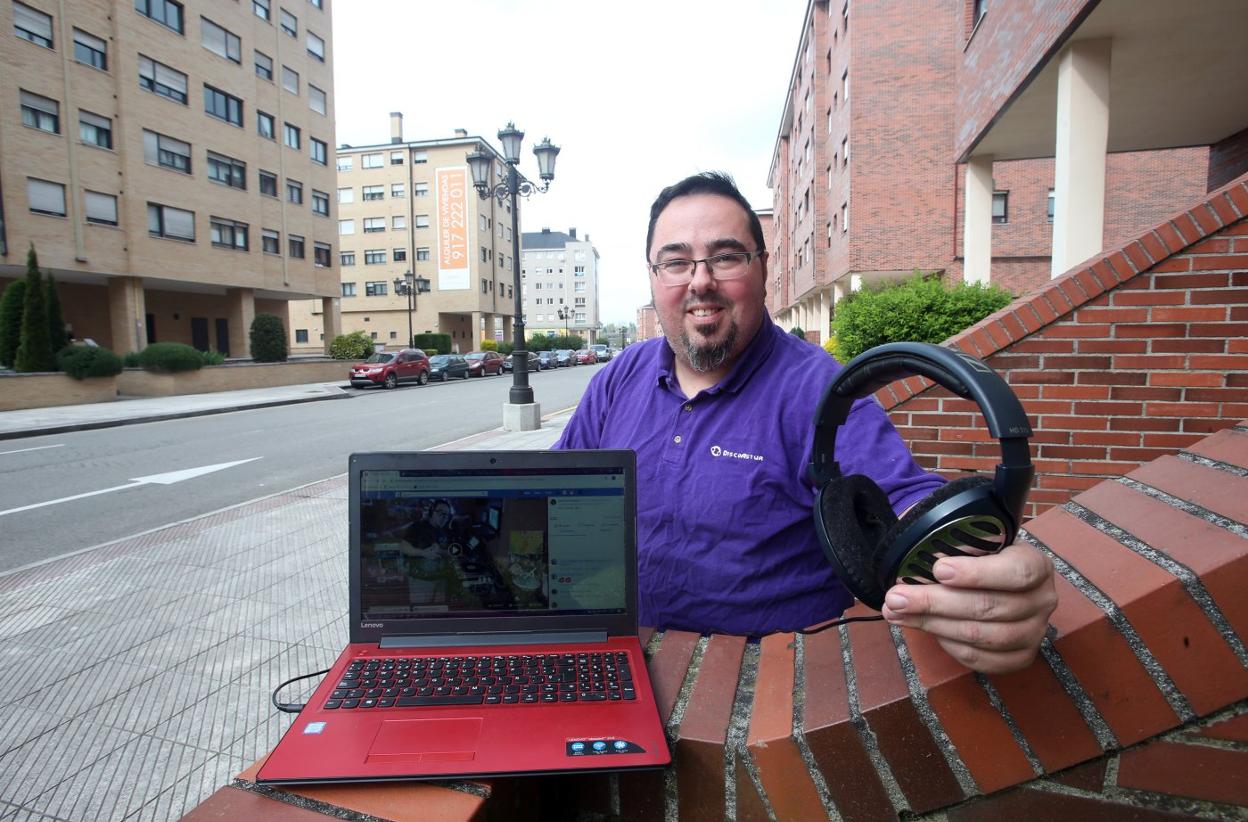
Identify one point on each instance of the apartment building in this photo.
(647, 323)
(169, 162)
(409, 206)
(559, 277)
(868, 172)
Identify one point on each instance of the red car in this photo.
(586, 357)
(484, 363)
(389, 368)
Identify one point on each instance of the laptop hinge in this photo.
(505, 638)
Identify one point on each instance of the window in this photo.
(160, 79)
(373, 192)
(166, 12)
(292, 136)
(294, 192)
(398, 223)
(377, 288)
(319, 151)
(422, 220)
(301, 335)
(94, 129)
(420, 189)
(45, 197)
(228, 234)
(579, 271)
(227, 171)
(346, 195)
(346, 258)
(223, 106)
(289, 23)
(320, 4)
(481, 224)
(978, 10)
(271, 241)
(398, 190)
(845, 151)
(419, 157)
(264, 66)
(316, 99)
(322, 254)
(1000, 207)
(1050, 203)
(32, 25)
(348, 289)
(372, 225)
(345, 163)
(346, 227)
(268, 183)
(266, 126)
(90, 50)
(261, 9)
(320, 203)
(295, 244)
(170, 223)
(41, 113)
(844, 217)
(371, 161)
(220, 41)
(101, 208)
(579, 288)
(845, 86)
(290, 79)
(374, 256)
(396, 158)
(316, 47)
(422, 255)
(399, 255)
(160, 150)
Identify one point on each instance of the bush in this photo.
(11, 321)
(131, 359)
(920, 309)
(505, 348)
(82, 361)
(797, 331)
(34, 352)
(56, 319)
(432, 343)
(830, 346)
(489, 345)
(268, 338)
(170, 358)
(354, 346)
(212, 357)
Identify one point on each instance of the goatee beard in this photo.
(704, 358)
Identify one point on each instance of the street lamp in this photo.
(565, 314)
(410, 285)
(514, 185)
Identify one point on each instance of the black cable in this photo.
(291, 707)
(836, 622)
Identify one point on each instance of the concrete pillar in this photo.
(839, 290)
(331, 319)
(508, 329)
(825, 316)
(977, 221)
(242, 312)
(127, 314)
(1079, 159)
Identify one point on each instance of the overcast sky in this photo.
(637, 95)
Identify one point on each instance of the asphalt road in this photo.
(294, 444)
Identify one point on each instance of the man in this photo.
(721, 414)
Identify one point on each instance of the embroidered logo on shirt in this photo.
(716, 451)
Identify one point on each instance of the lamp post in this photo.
(565, 314)
(512, 186)
(410, 285)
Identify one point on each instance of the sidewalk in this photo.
(138, 674)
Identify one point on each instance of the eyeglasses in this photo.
(728, 266)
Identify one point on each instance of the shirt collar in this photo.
(751, 357)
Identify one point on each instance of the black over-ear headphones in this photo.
(868, 546)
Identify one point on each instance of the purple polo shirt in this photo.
(726, 539)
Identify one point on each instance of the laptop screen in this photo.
(475, 543)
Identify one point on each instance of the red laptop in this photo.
(493, 624)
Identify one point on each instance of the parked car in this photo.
(534, 362)
(547, 360)
(484, 363)
(389, 368)
(586, 356)
(602, 351)
(444, 366)
(565, 357)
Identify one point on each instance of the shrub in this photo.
(489, 345)
(34, 352)
(354, 346)
(170, 358)
(830, 346)
(268, 338)
(82, 361)
(11, 321)
(505, 348)
(131, 359)
(56, 319)
(920, 309)
(797, 331)
(432, 343)
(212, 357)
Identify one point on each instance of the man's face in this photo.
(707, 322)
(441, 516)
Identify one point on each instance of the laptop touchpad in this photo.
(425, 740)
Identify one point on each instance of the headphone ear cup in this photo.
(886, 576)
(852, 517)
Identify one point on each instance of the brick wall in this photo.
(1228, 159)
(1131, 356)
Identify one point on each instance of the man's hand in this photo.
(989, 613)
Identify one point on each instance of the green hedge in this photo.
(432, 343)
(268, 338)
(169, 358)
(921, 309)
(354, 346)
(82, 361)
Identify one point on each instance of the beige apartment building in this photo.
(169, 163)
(410, 206)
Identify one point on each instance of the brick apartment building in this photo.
(869, 172)
(169, 162)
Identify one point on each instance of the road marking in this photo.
(168, 478)
(38, 448)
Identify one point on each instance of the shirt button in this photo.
(676, 439)
(688, 407)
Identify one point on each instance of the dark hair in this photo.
(708, 182)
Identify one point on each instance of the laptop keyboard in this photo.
(405, 682)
